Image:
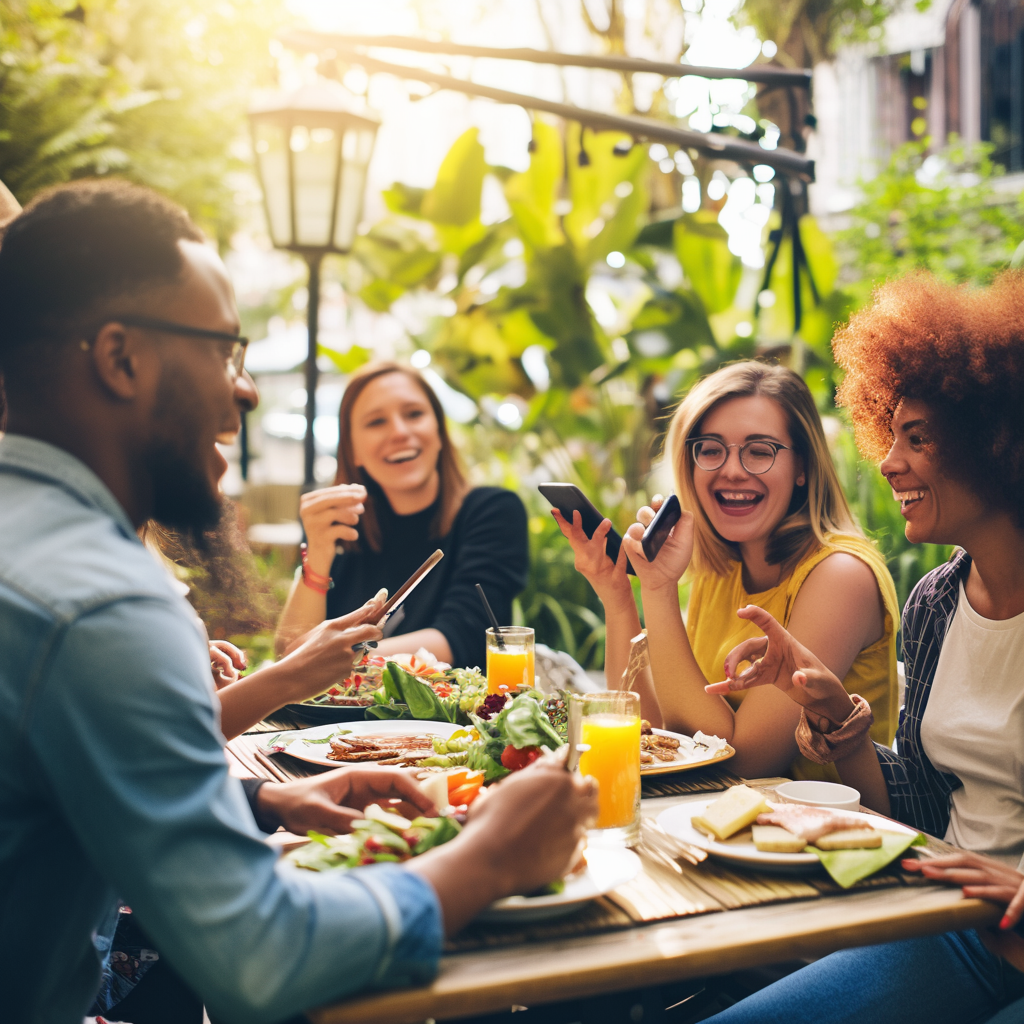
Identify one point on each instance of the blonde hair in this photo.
(453, 486)
(818, 507)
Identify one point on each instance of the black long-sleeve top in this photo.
(487, 544)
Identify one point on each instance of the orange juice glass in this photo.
(609, 725)
(510, 662)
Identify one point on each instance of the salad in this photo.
(385, 837)
(467, 685)
(447, 696)
(380, 837)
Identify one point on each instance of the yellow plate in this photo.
(691, 757)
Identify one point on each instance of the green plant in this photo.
(938, 213)
(151, 90)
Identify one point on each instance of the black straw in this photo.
(490, 615)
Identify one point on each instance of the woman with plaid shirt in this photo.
(934, 385)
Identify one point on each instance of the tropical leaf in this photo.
(702, 248)
(455, 196)
(532, 194)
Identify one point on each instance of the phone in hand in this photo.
(661, 526)
(401, 594)
(568, 498)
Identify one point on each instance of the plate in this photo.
(690, 756)
(607, 868)
(740, 848)
(313, 744)
(327, 712)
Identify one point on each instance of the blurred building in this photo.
(957, 67)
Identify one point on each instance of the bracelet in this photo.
(314, 580)
(824, 748)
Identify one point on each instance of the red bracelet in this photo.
(313, 580)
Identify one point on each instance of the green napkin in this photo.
(849, 866)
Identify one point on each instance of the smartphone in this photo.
(568, 498)
(401, 594)
(661, 526)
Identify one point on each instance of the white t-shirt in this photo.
(973, 727)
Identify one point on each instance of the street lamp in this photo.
(312, 150)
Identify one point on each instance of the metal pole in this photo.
(314, 261)
(715, 145)
(767, 74)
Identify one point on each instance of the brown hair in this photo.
(817, 507)
(960, 350)
(453, 485)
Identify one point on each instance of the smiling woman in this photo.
(765, 523)
(400, 494)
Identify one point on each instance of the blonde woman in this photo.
(765, 522)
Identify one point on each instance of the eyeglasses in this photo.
(238, 344)
(756, 457)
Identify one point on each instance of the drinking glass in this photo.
(608, 723)
(510, 659)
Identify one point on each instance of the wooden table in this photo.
(489, 980)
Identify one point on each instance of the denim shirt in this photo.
(918, 792)
(114, 784)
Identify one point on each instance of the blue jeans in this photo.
(941, 979)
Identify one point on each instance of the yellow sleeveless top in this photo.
(714, 630)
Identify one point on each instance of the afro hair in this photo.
(960, 350)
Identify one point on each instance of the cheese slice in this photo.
(773, 839)
(851, 839)
(735, 809)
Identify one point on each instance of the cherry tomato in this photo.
(514, 759)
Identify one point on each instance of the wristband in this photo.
(314, 580)
(826, 747)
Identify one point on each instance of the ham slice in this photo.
(810, 823)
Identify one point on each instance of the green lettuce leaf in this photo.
(526, 724)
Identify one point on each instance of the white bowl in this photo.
(821, 794)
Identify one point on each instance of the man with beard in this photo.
(122, 367)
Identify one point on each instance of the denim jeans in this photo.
(940, 979)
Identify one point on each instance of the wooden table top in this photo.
(490, 980)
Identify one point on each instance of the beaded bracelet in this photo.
(314, 580)
(826, 747)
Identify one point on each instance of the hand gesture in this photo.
(329, 803)
(328, 515)
(673, 558)
(780, 660)
(227, 662)
(608, 578)
(980, 877)
(324, 655)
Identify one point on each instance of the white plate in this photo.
(607, 869)
(689, 756)
(298, 742)
(741, 850)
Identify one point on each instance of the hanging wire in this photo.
(583, 157)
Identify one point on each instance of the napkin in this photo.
(849, 866)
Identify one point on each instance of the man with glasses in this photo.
(121, 362)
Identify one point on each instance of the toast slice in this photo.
(773, 839)
(851, 839)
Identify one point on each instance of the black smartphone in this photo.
(661, 526)
(568, 498)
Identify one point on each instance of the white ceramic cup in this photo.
(821, 794)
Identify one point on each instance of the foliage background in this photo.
(575, 322)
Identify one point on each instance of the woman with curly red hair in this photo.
(935, 387)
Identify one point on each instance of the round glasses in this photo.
(756, 457)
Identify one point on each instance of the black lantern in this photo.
(312, 149)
